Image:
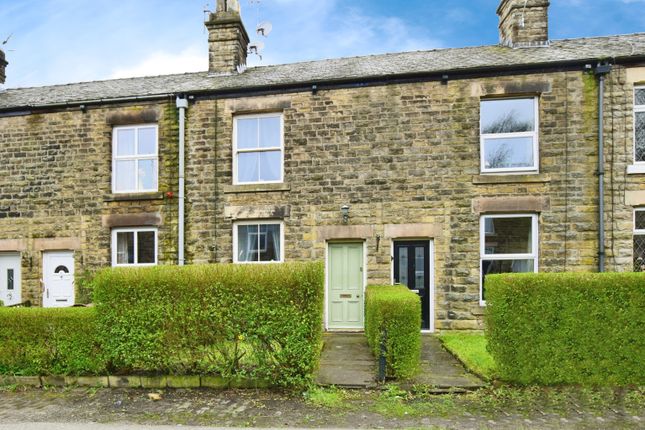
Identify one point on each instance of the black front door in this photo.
(412, 269)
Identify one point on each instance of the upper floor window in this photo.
(509, 136)
(258, 242)
(508, 244)
(639, 240)
(134, 159)
(134, 246)
(639, 125)
(258, 149)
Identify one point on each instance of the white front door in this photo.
(58, 277)
(10, 285)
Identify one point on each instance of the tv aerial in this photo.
(4, 42)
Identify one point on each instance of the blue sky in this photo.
(62, 41)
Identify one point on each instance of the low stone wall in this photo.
(120, 381)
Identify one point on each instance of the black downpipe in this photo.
(601, 71)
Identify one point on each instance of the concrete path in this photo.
(440, 370)
(346, 361)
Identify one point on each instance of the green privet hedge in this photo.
(84, 286)
(36, 341)
(567, 328)
(256, 321)
(397, 311)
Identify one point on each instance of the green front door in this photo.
(345, 286)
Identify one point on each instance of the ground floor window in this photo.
(508, 244)
(258, 242)
(639, 240)
(134, 247)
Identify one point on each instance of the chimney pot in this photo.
(523, 23)
(227, 38)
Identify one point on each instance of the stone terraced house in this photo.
(430, 169)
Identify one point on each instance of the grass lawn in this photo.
(470, 348)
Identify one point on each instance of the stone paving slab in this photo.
(442, 370)
(346, 361)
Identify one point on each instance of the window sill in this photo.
(636, 169)
(527, 178)
(128, 197)
(256, 188)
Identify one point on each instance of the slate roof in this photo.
(341, 69)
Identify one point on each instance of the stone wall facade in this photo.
(404, 156)
(56, 189)
(409, 154)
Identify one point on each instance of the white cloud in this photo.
(191, 59)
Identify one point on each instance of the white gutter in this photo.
(182, 105)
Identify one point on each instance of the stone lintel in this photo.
(395, 231)
(132, 220)
(527, 88)
(133, 117)
(7, 245)
(259, 104)
(510, 204)
(332, 232)
(57, 243)
(635, 75)
(635, 198)
(257, 212)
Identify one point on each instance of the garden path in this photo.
(346, 361)
(441, 371)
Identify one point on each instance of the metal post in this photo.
(382, 360)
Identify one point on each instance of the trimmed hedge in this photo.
(396, 310)
(36, 341)
(258, 321)
(567, 328)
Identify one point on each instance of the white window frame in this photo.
(637, 232)
(257, 222)
(136, 158)
(638, 166)
(134, 230)
(492, 136)
(482, 246)
(237, 151)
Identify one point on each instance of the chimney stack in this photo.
(523, 23)
(3, 65)
(227, 38)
